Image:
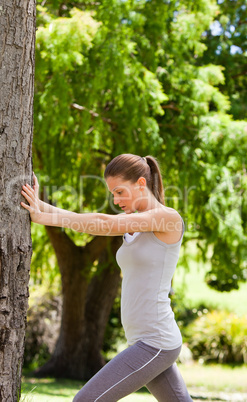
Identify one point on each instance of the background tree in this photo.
(133, 80)
(17, 43)
(79, 82)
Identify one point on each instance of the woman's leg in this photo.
(126, 373)
(169, 386)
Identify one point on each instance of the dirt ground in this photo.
(198, 395)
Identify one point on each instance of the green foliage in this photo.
(146, 77)
(75, 33)
(54, 94)
(105, 76)
(44, 267)
(226, 45)
(219, 336)
(225, 207)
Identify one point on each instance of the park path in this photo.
(217, 396)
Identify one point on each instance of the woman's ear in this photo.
(142, 181)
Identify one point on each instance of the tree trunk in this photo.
(86, 305)
(100, 297)
(17, 44)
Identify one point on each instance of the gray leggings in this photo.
(137, 366)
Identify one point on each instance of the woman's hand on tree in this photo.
(32, 197)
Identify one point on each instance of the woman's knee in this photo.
(82, 396)
(76, 398)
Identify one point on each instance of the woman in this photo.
(148, 257)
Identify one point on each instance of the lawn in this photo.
(48, 389)
(199, 379)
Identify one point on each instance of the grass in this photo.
(46, 389)
(198, 378)
(50, 389)
(215, 378)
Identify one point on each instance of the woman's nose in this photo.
(116, 200)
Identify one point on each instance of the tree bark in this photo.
(17, 44)
(86, 305)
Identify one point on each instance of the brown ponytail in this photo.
(156, 182)
(132, 167)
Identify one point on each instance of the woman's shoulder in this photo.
(174, 226)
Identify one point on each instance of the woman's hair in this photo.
(132, 167)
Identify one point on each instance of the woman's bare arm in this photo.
(112, 225)
(161, 219)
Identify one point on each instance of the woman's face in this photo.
(126, 194)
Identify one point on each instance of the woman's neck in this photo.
(148, 202)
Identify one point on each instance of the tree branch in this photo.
(171, 106)
(94, 114)
(244, 72)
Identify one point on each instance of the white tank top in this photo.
(148, 265)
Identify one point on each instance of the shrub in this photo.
(218, 336)
(43, 323)
(184, 314)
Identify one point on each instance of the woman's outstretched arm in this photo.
(160, 219)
